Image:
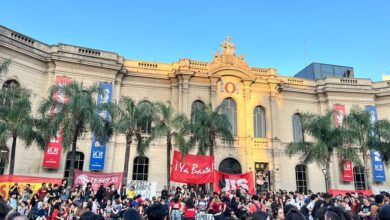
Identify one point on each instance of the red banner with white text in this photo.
(192, 169)
(81, 178)
(52, 155)
(339, 115)
(8, 181)
(335, 192)
(234, 182)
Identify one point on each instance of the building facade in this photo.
(264, 107)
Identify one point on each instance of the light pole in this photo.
(326, 179)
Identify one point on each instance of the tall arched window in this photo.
(229, 108)
(196, 105)
(78, 162)
(301, 178)
(259, 122)
(146, 127)
(140, 168)
(359, 177)
(297, 128)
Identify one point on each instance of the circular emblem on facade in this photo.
(230, 87)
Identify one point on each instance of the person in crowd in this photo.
(175, 208)
(23, 208)
(189, 210)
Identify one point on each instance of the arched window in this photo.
(78, 162)
(297, 128)
(230, 165)
(359, 177)
(229, 108)
(196, 105)
(2, 166)
(259, 122)
(11, 83)
(301, 178)
(146, 126)
(140, 168)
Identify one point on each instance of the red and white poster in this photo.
(52, 156)
(234, 182)
(192, 169)
(81, 178)
(339, 115)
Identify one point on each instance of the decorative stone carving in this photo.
(228, 57)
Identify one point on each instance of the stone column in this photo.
(213, 91)
(109, 164)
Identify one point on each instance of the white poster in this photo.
(144, 188)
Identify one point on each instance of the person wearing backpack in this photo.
(256, 205)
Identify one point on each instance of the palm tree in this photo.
(327, 139)
(381, 141)
(132, 120)
(174, 127)
(76, 117)
(207, 125)
(361, 130)
(4, 66)
(16, 120)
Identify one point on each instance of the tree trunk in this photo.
(72, 160)
(328, 180)
(13, 152)
(73, 155)
(169, 149)
(367, 172)
(127, 158)
(211, 148)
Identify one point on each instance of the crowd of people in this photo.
(62, 202)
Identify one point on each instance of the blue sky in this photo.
(268, 33)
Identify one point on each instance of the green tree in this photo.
(133, 121)
(173, 126)
(362, 130)
(327, 140)
(76, 116)
(4, 66)
(16, 120)
(207, 126)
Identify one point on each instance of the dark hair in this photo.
(190, 203)
(131, 214)
(260, 215)
(288, 208)
(313, 196)
(336, 213)
(320, 214)
(88, 216)
(255, 197)
(176, 199)
(379, 198)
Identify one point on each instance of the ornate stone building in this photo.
(263, 106)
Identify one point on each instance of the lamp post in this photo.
(326, 179)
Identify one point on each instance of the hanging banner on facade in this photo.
(81, 178)
(8, 181)
(98, 150)
(192, 169)
(335, 192)
(52, 155)
(339, 115)
(378, 169)
(144, 188)
(234, 182)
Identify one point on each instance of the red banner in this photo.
(192, 169)
(335, 192)
(234, 182)
(84, 177)
(52, 156)
(7, 181)
(339, 115)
